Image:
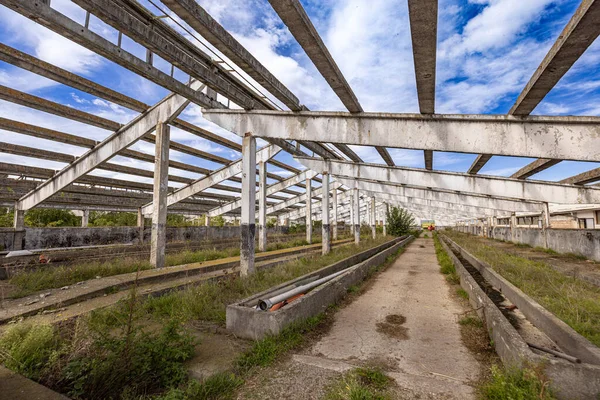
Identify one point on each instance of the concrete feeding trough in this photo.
(569, 380)
(246, 320)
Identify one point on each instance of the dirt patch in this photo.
(413, 273)
(392, 327)
(421, 246)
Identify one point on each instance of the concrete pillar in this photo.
(140, 225)
(352, 210)
(356, 215)
(513, 226)
(309, 211)
(248, 223)
(19, 232)
(326, 239)
(334, 201)
(161, 188)
(386, 210)
(85, 219)
(373, 219)
(262, 206)
(545, 223)
(206, 220)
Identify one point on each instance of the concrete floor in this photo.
(406, 323)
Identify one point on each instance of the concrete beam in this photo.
(214, 178)
(275, 188)
(196, 17)
(534, 167)
(165, 110)
(569, 138)
(583, 178)
(348, 152)
(248, 219)
(300, 198)
(487, 185)
(46, 16)
(293, 15)
(159, 214)
(479, 162)
(428, 155)
(423, 29)
(384, 153)
(576, 37)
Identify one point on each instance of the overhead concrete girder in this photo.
(473, 200)
(568, 138)
(277, 187)
(165, 110)
(212, 179)
(487, 185)
(583, 178)
(43, 14)
(299, 199)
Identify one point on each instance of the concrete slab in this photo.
(16, 387)
(407, 321)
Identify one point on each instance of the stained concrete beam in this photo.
(300, 198)
(534, 167)
(387, 158)
(487, 185)
(293, 15)
(573, 41)
(428, 155)
(583, 178)
(423, 29)
(568, 138)
(479, 162)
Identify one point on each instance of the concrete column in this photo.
(373, 219)
(262, 206)
(140, 225)
(206, 220)
(85, 219)
(161, 188)
(386, 209)
(334, 202)
(19, 232)
(545, 223)
(356, 215)
(248, 223)
(326, 239)
(352, 210)
(513, 226)
(309, 211)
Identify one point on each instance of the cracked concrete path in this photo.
(406, 322)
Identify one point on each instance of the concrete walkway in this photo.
(406, 322)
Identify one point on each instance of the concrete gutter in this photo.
(568, 380)
(243, 320)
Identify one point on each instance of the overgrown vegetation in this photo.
(446, 265)
(526, 384)
(400, 221)
(137, 348)
(361, 384)
(573, 300)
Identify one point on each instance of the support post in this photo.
(248, 223)
(19, 229)
(85, 219)
(334, 201)
(262, 206)
(352, 210)
(206, 220)
(356, 216)
(386, 210)
(326, 239)
(161, 188)
(513, 226)
(545, 223)
(373, 219)
(140, 225)
(309, 211)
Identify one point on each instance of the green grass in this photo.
(472, 321)
(446, 265)
(361, 384)
(54, 277)
(515, 384)
(462, 293)
(574, 301)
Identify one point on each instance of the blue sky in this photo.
(487, 51)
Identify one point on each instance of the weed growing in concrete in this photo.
(471, 320)
(462, 293)
(574, 301)
(218, 386)
(361, 383)
(425, 236)
(517, 384)
(446, 265)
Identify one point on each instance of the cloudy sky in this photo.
(487, 51)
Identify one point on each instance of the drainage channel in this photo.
(534, 337)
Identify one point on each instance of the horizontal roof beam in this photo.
(569, 138)
(487, 185)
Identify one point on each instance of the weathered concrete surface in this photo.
(428, 343)
(16, 387)
(423, 29)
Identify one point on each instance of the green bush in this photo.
(400, 221)
(41, 218)
(6, 217)
(517, 384)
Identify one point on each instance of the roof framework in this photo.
(255, 106)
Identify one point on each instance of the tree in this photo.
(399, 221)
(6, 218)
(103, 218)
(41, 218)
(219, 220)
